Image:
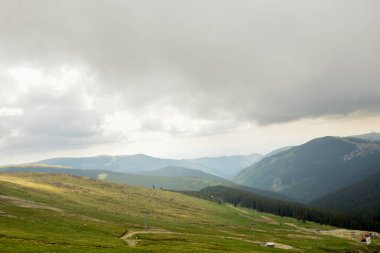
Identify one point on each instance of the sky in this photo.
(183, 79)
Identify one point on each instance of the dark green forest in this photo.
(360, 199)
(222, 194)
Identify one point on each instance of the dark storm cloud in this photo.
(259, 61)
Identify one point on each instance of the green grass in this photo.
(94, 215)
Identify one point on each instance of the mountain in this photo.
(128, 164)
(226, 166)
(316, 168)
(42, 212)
(167, 178)
(369, 136)
(361, 199)
(279, 150)
(195, 180)
(176, 171)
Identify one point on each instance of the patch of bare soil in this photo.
(84, 217)
(343, 233)
(267, 220)
(262, 218)
(241, 210)
(301, 229)
(282, 246)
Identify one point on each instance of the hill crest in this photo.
(315, 168)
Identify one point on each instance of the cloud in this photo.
(51, 110)
(9, 111)
(183, 68)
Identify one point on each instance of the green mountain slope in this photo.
(61, 213)
(279, 150)
(316, 168)
(360, 199)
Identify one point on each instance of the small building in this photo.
(367, 238)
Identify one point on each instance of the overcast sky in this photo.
(183, 79)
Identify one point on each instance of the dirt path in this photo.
(267, 220)
(34, 205)
(301, 229)
(263, 218)
(129, 235)
(28, 203)
(241, 210)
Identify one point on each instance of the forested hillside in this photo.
(241, 198)
(361, 199)
(316, 168)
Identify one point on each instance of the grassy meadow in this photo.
(42, 212)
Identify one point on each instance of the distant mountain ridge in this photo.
(224, 166)
(316, 168)
(172, 178)
(369, 136)
(128, 163)
(176, 171)
(227, 166)
(180, 181)
(279, 150)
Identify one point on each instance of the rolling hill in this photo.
(127, 164)
(176, 171)
(42, 212)
(179, 180)
(224, 166)
(316, 168)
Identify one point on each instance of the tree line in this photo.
(302, 212)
